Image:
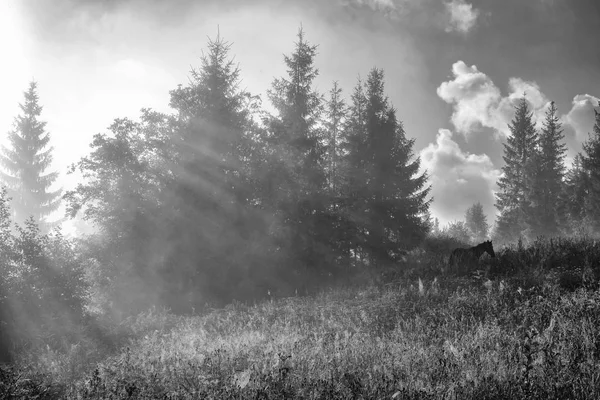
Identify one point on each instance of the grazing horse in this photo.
(471, 255)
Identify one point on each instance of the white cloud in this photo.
(478, 102)
(459, 179)
(581, 117)
(377, 5)
(462, 17)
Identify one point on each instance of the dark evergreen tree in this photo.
(571, 202)
(387, 196)
(297, 175)
(591, 165)
(210, 226)
(336, 111)
(513, 198)
(354, 164)
(552, 154)
(26, 162)
(476, 223)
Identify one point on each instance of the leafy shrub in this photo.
(41, 290)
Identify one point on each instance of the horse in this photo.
(471, 255)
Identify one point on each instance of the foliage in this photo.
(387, 197)
(552, 170)
(476, 223)
(26, 161)
(42, 288)
(591, 164)
(298, 181)
(336, 113)
(213, 228)
(469, 338)
(572, 198)
(514, 196)
(457, 230)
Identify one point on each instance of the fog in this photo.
(200, 159)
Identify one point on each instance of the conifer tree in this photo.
(552, 152)
(388, 196)
(335, 118)
(297, 177)
(355, 145)
(513, 200)
(210, 192)
(26, 161)
(353, 172)
(476, 222)
(591, 165)
(571, 210)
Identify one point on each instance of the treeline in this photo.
(538, 195)
(221, 200)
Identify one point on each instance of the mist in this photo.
(166, 162)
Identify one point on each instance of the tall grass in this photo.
(517, 331)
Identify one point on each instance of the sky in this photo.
(454, 69)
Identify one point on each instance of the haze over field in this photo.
(300, 199)
(454, 69)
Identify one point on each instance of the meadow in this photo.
(525, 325)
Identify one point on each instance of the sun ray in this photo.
(15, 69)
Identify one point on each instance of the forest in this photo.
(290, 252)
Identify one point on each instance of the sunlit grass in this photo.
(463, 339)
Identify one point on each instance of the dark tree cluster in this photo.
(222, 200)
(42, 287)
(538, 196)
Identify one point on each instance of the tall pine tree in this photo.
(513, 199)
(571, 209)
(210, 192)
(26, 162)
(552, 152)
(297, 176)
(591, 164)
(335, 118)
(387, 195)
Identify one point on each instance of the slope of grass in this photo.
(452, 339)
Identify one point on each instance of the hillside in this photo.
(531, 334)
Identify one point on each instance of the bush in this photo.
(42, 290)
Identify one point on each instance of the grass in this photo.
(531, 334)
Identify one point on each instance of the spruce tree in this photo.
(209, 194)
(387, 195)
(26, 161)
(571, 209)
(552, 154)
(335, 118)
(476, 222)
(513, 199)
(591, 165)
(353, 172)
(297, 178)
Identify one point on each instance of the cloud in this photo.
(458, 179)
(581, 117)
(378, 4)
(478, 102)
(462, 17)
